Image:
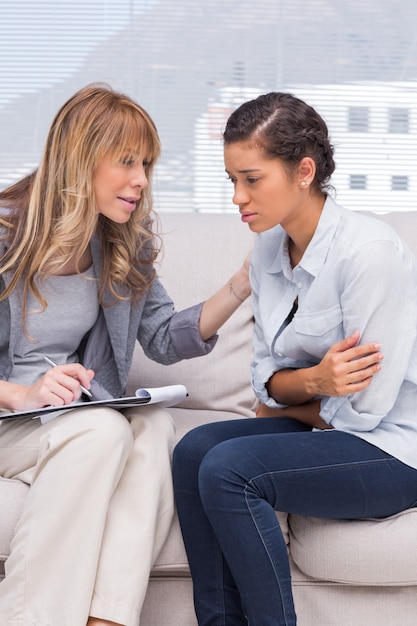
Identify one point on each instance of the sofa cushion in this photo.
(194, 265)
(358, 552)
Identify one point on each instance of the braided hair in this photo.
(286, 128)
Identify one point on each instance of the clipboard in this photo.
(164, 396)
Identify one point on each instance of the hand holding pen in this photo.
(52, 363)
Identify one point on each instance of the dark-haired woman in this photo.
(334, 369)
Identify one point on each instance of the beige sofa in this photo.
(345, 573)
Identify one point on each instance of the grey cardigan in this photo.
(165, 335)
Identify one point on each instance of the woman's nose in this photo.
(139, 178)
(240, 196)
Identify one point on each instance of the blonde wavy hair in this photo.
(53, 213)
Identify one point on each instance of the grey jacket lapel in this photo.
(117, 316)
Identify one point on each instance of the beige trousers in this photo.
(97, 513)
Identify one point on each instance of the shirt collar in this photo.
(315, 255)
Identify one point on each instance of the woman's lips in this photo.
(248, 217)
(129, 203)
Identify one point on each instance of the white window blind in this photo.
(191, 63)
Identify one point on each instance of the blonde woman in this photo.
(77, 254)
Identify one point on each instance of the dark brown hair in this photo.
(286, 128)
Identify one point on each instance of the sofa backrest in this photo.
(200, 253)
(405, 223)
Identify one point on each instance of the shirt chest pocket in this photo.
(317, 332)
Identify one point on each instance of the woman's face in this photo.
(118, 186)
(263, 189)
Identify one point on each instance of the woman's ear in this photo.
(306, 171)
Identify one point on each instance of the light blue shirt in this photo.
(355, 275)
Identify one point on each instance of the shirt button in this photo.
(300, 285)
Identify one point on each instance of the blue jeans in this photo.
(230, 478)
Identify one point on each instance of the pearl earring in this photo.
(304, 183)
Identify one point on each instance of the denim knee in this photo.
(215, 472)
(190, 450)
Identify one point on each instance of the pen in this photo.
(52, 363)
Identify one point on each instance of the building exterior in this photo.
(373, 128)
